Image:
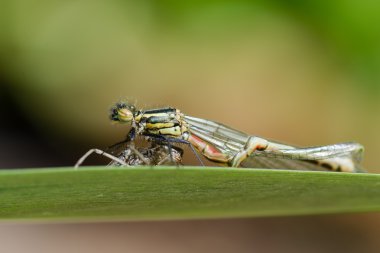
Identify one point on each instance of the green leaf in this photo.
(186, 192)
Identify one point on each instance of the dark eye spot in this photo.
(113, 113)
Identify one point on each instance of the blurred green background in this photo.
(305, 73)
(302, 72)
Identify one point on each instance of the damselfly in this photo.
(230, 147)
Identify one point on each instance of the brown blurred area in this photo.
(305, 73)
(331, 233)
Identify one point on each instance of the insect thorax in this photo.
(164, 121)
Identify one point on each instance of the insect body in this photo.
(220, 143)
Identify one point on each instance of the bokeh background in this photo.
(303, 72)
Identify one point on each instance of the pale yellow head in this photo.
(122, 112)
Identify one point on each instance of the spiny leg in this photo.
(99, 152)
(136, 152)
(112, 157)
(196, 153)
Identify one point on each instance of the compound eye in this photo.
(114, 114)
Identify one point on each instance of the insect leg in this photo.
(176, 150)
(190, 145)
(99, 152)
(136, 152)
(162, 139)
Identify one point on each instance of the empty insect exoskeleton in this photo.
(153, 155)
(230, 147)
(156, 154)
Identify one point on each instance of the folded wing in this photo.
(342, 156)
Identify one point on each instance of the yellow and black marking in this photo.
(165, 121)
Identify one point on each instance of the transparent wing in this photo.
(226, 139)
(231, 141)
(278, 163)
